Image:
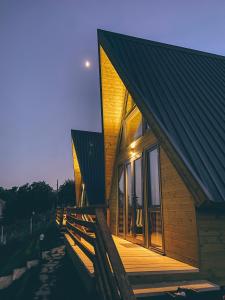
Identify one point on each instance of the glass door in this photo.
(138, 202)
(154, 200)
(121, 201)
(129, 201)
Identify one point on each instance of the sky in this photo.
(45, 89)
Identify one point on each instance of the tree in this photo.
(66, 195)
(42, 196)
(22, 201)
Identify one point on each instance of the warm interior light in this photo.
(132, 153)
(132, 145)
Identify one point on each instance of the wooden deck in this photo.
(137, 259)
(149, 272)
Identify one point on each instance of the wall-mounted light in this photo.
(132, 145)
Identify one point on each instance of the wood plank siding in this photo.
(211, 228)
(113, 93)
(179, 215)
(77, 174)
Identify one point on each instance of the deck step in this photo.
(162, 276)
(148, 291)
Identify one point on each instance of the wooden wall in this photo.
(211, 228)
(179, 215)
(113, 94)
(77, 176)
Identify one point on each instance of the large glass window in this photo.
(138, 197)
(133, 126)
(130, 104)
(83, 200)
(155, 218)
(129, 200)
(121, 197)
(154, 177)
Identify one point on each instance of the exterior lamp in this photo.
(132, 146)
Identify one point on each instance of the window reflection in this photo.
(129, 200)
(133, 125)
(121, 196)
(154, 177)
(156, 229)
(83, 199)
(138, 197)
(154, 199)
(130, 104)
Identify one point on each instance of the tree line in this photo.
(37, 197)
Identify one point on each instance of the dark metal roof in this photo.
(184, 90)
(90, 154)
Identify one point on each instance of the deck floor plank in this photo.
(138, 259)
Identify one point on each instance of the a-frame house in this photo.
(163, 121)
(163, 162)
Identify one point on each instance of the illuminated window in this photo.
(121, 198)
(130, 104)
(83, 201)
(133, 126)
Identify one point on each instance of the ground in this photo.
(55, 278)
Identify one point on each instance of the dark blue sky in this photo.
(45, 89)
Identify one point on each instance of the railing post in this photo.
(125, 288)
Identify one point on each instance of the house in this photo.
(164, 135)
(88, 161)
(164, 160)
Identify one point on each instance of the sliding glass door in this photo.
(138, 201)
(129, 201)
(121, 202)
(154, 200)
(131, 204)
(139, 214)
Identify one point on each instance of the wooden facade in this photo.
(189, 235)
(179, 216)
(211, 232)
(77, 175)
(164, 229)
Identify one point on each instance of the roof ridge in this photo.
(161, 44)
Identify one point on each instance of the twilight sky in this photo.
(45, 89)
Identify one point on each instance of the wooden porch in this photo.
(146, 273)
(137, 260)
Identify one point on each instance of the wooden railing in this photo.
(60, 215)
(88, 226)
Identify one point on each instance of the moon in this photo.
(87, 64)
